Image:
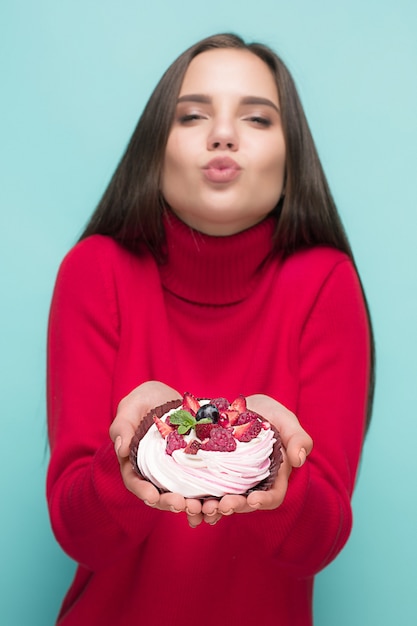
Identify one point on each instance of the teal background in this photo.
(75, 75)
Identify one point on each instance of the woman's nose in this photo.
(223, 136)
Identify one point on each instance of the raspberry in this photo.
(224, 419)
(221, 440)
(163, 428)
(190, 403)
(221, 404)
(193, 447)
(246, 416)
(174, 442)
(239, 404)
(248, 431)
(203, 430)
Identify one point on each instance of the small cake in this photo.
(206, 448)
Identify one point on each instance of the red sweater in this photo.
(221, 317)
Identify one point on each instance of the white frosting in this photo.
(205, 473)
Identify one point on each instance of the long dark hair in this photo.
(131, 208)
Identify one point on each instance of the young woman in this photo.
(215, 263)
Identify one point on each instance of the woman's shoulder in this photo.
(100, 265)
(96, 246)
(104, 252)
(305, 272)
(315, 264)
(315, 260)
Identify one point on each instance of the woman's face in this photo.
(225, 157)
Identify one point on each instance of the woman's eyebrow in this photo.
(195, 97)
(204, 99)
(259, 100)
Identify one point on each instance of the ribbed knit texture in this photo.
(223, 270)
(221, 317)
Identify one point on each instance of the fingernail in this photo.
(229, 512)
(213, 523)
(212, 514)
(117, 444)
(174, 510)
(149, 503)
(191, 525)
(255, 505)
(302, 456)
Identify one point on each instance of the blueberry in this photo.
(208, 411)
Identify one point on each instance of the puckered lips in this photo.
(221, 170)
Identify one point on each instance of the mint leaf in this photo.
(181, 416)
(184, 420)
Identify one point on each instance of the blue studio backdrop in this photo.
(75, 75)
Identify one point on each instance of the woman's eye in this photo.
(190, 117)
(258, 120)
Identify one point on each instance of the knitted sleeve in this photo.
(94, 517)
(314, 522)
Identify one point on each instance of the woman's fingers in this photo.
(295, 439)
(133, 407)
(142, 489)
(274, 497)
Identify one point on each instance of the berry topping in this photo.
(224, 419)
(222, 404)
(193, 447)
(185, 421)
(247, 416)
(248, 431)
(221, 440)
(190, 403)
(232, 416)
(239, 404)
(203, 430)
(163, 428)
(207, 411)
(217, 425)
(175, 441)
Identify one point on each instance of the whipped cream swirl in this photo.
(206, 473)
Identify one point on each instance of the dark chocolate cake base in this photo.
(159, 411)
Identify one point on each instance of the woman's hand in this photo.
(297, 444)
(130, 411)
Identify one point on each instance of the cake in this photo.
(206, 448)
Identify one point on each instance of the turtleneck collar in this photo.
(205, 269)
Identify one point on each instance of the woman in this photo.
(215, 263)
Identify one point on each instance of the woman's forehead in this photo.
(229, 71)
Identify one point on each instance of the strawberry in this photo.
(190, 403)
(203, 430)
(163, 428)
(221, 440)
(232, 416)
(239, 404)
(247, 416)
(247, 431)
(175, 441)
(193, 447)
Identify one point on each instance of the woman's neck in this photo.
(214, 270)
